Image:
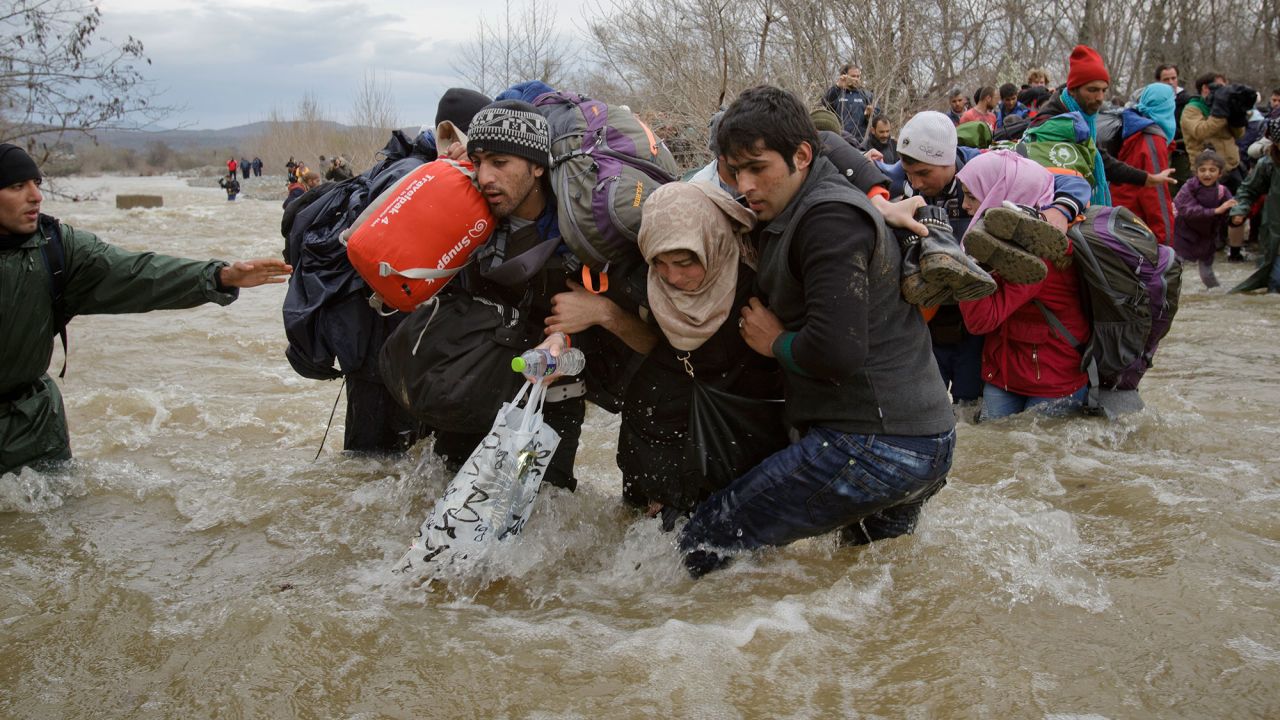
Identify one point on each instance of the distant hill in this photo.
(240, 137)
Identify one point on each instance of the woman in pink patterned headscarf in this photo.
(1025, 362)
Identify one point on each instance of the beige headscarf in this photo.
(703, 219)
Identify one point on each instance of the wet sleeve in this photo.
(1255, 185)
(830, 253)
(984, 315)
(105, 279)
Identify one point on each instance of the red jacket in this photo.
(1153, 205)
(1022, 353)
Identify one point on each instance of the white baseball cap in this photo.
(928, 137)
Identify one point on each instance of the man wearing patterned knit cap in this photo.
(525, 265)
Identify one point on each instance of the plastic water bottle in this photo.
(538, 363)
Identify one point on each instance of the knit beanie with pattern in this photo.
(511, 127)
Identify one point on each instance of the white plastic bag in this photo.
(492, 495)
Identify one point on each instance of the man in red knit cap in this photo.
(1087, 84)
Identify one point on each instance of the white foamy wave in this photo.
(1251, 649)
(31, 491)
(1028, 550)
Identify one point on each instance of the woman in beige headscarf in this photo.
(698, 281)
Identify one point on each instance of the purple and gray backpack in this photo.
(1130, 283)
(604, 163)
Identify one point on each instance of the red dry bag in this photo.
(419, 233)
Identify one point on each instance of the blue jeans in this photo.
(997, 403)
(871, 486)
(1273, 284)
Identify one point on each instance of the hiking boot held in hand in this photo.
(1023, 226)
(943, 262)
(915, 289)
(1012, 262)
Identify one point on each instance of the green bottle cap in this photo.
(517, 364)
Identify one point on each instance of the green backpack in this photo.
(975, 134)
(1063, 142)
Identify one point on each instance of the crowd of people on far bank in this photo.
(836, 291)
(300, 178)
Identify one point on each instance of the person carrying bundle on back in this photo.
(1086, 89)
(525, 265)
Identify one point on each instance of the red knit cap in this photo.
(1086, 66)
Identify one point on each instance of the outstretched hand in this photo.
(251, 273)
(1164, 177)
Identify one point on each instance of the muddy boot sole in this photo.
(1033, 234)
(917, 291)
(966, 280)
(1013, 263)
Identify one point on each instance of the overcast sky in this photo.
(229, 62)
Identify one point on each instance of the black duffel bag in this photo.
(449, 361)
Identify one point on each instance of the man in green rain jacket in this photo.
(98, 278)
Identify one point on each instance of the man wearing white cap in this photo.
(931, 156)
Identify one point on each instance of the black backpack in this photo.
(1130, 286)
(327, 316)
(55, 261)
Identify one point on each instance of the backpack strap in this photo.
(55, 261)
(1093, 403)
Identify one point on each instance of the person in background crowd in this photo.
(1264, 181)
(1145, 132)
(97, 278)
(958, 104)
(1168, 74)
(257, 166)
(1202, 204)
(231, 185)
(231, 166)
(852, 104)
(245, 167)
(309, 180)
(338, 170)
(1087, 84)
(882, 141)
(984, 105)
(1206, 124)
(1009, 105)
(1037, 77)
(1033, 98)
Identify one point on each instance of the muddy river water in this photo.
(196, 563)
